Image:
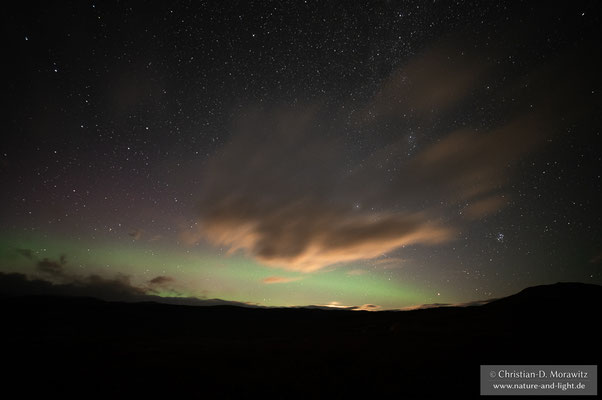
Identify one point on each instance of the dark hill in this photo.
(82, 347)
(551, 296)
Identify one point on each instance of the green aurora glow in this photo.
(205, 273)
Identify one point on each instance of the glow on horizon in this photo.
(205, 273)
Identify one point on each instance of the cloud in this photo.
(484, 207)
(434, 80)
(115, 289)
(109, 288)
(335, 305)
(279, 279)
(289, 208)
(474, 303)
(136, 234)
(367, 307)
(272, 193)
(304, 236)
(438, 305)
(53, 268)
(118, 288)
(289, 190)
(466, 164)
(356, 272)
(55, 279)
(426, 306)
(161, 280)
(27, 253)
(163, 285)
(389, 262)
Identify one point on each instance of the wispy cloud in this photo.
(432, 81)
(335, 305)
(367, 307)
(480, 208)
(438, 305)
(389, 262)
(277, 191)
(279, 279)
(357, 271)
(270, 193)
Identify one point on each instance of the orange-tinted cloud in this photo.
(484, 207)
(283, 189)
(304, 236)
(136, 234)
(367, 307)
(276, 198)
(274, 191)
(271, 193)
(438, 305)
(389, 262)
(278, 279)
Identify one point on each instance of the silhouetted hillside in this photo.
(551, 296)
(82, 347)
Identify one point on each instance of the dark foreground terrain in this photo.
(82, 347)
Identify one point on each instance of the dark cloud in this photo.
(116, 289)
(161, 280)
(56, 279)
(53, 268)
(163, 284)
(27, 253)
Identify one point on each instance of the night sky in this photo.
(377, 155)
